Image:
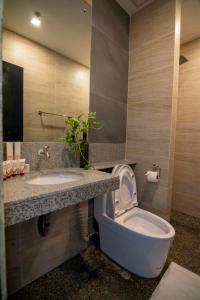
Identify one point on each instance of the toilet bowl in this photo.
(136, 239)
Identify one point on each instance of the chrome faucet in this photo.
(44, 152)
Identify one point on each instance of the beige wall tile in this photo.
(186, 189)
(146, 28)
(151, 84)
(157, 200)
(144, 163)
(156, 55)
(186, 178)
(150, 112)
(147, 140)
(180, 203)
(66, 238)
(188, 141)
(187, 158)
(152, 99)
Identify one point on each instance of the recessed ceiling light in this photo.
(36, 19)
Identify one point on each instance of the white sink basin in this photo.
(49, 179)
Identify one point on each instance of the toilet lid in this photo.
(125, 197)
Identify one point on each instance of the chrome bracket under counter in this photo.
(24, 201)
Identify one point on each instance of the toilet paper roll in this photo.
(152, 176)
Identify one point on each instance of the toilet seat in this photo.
(146, 223)
(125, 198)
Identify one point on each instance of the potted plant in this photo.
(76, 135)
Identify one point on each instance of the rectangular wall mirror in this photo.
(46, 67)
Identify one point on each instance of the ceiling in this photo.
(65, 27)
(132, 6)
(190, 20)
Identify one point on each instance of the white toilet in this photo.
(136, 239)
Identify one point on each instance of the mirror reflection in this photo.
(46, 61)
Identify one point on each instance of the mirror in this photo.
(46, 67)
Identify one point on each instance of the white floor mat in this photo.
(177, 284)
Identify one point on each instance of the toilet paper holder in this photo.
(157, 168)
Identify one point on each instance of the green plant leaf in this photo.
(76, 126)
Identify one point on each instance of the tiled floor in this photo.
(92, 275)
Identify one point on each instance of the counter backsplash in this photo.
(60, 156)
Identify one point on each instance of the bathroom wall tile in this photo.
(59, 155)
(187, 141)
(152, 98)
(107, 16)
(152, 112)
(114, 127)
(148, 141)
(186, 189)
(186, 177)
(189, 205)
(146, 28)
(155, 56)
(109, 68)
(103, 152)
(188, 124)
(156, 200)
(144, 164)
(187, 105)
(155, 197)
(188, 83)
(186, 156)
(152, 84)
(8, 46)
(192, 49)
(66, 238)
(38, 135)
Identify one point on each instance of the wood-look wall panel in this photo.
(188, 83)
(155, 112)
(148, 141)
(188, 141)
(180, 203)
(154, 88)
(144, 163)
(29, 255)
(147, 25)
(154, 56)
(186, 180)
(152, 99)
(186, 188)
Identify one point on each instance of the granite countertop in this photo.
(24, 201)
(111, 164)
